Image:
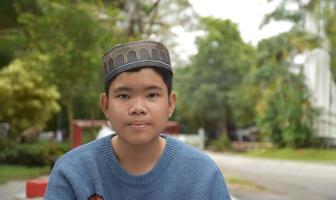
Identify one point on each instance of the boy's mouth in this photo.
(138, 124)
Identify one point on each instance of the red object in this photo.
(77, 136)
(172, 127)
(36, 187)
(78, 125)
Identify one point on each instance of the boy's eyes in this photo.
(126, 96)
(122, 96)
(153, 95)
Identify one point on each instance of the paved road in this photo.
(9, 190)
(285, 180)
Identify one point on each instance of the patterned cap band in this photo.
(132, 55)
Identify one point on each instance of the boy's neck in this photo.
(138, 159)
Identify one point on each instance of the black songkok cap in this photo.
(127, 56)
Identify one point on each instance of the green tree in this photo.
(148, 18)
(206, 86)
(12, 38)
(322, 13)
(25, 100)
(153, 19)
(65, 43)
(330, 29)
(283, 111)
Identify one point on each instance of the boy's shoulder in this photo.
(83, 154)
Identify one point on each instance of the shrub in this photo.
(220, 144)
(34, 154)
(4, 143)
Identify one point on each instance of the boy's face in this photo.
(138, 105)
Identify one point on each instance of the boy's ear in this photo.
(104, 103)
(172, 103)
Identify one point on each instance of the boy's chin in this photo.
(139, 138)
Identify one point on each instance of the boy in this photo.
(137, 163)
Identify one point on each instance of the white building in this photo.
(320, 82)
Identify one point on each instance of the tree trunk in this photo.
(70, 112)
(135, 24)
(222, 128)
(67, 101)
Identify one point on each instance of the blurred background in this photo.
(254, 78)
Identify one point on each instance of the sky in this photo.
(248, 14)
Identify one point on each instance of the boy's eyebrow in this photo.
(127, 89)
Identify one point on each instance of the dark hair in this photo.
(166, 76)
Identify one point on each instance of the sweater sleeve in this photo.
(59, 187)
(219, 190)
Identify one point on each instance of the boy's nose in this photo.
(138, 108)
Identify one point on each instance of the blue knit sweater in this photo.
(92, 172)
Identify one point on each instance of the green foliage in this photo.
(244, 100)
(90, 135)
(282, 13)
(148, 18)
(25, 100)
(12, 43)
(283, 112)
(323, 12)
(12, 38)
(10, 9)
(66, 43)
(205, 87)
(32, 154)
(67, 38)
(330, 29)
(293, 127)
(220, 144)
(298, 130)
(5, 144)
(312, 154)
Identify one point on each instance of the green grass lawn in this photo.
(238, 182)
(315, 155)
(14, 172)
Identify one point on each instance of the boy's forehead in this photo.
(144, 78)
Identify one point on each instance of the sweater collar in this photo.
(168, 154)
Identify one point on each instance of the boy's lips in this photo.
(138, 124)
